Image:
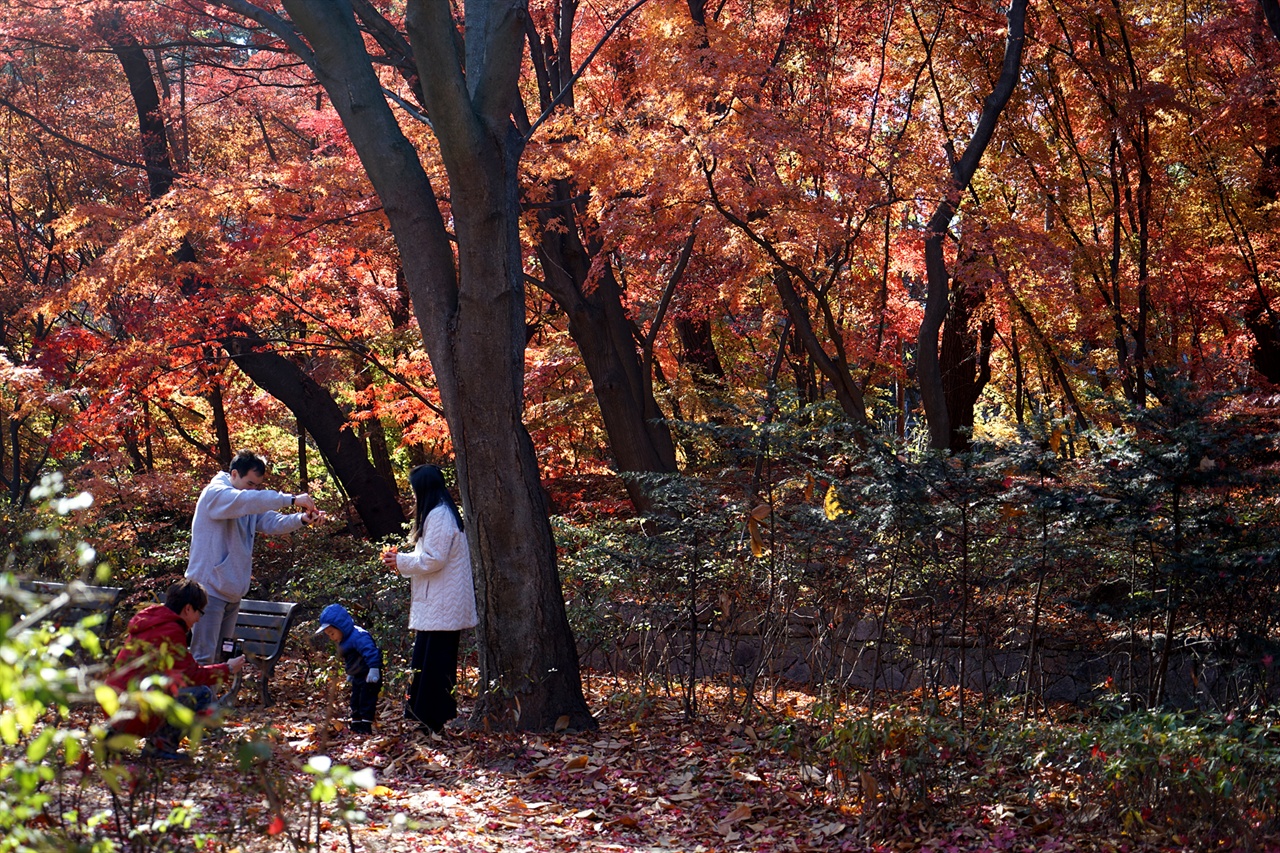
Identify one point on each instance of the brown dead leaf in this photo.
(742, 812)
(515, 804)
(562, 723)
(869, 787)
(757, 543)
(577, 762)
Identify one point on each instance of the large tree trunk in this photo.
(375, 499)
(472, 318)
(928, 368)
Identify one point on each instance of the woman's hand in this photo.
(389, 556)
(235, 664)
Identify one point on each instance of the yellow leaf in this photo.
(381, 791)
(1055, 440)
(107, 698)
(831, 504)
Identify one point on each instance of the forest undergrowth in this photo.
(904, 777)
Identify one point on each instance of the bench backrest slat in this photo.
(280, 608)
(262, 627)
(255, 620)
(85, 601)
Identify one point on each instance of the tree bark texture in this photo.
(471, 312)
(928, 367)
(965, 359)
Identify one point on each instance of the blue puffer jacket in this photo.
(359, 652)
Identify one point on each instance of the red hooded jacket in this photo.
(156, 643)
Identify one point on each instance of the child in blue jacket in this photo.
(363, 661)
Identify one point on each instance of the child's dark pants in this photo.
(364, 705)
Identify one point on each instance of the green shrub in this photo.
(1209, 771)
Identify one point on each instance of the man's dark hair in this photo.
(184, 592)
(246, 461)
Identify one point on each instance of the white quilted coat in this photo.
(439, 572)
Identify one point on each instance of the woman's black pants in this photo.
(435, 672)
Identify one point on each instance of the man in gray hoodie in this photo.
(230, 510)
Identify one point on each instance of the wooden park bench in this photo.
(261, 629)
(67, 604)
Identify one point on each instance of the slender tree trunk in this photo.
(928, 367)
(374, 499)
(1042, 343)
(848, 393)
(1019, 376)
(15, 471)
(221, 429)
(304, 474)
(375, 436)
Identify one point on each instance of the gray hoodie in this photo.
(222, 531)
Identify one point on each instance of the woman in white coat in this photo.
(443, 597)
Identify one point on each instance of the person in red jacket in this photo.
(156, 643)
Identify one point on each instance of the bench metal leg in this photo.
(227, 699)
(265, 673)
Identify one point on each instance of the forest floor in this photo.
(650, 778)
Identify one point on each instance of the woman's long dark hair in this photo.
(429, 492)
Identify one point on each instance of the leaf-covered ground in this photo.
(649, 779)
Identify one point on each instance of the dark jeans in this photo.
(364, 705)
(199, 698)
(435, 672)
